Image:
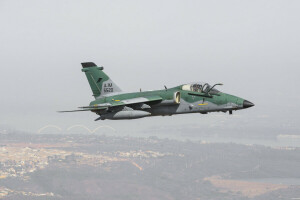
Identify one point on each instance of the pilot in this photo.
(197, 88)
(191, 88)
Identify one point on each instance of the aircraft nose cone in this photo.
(247, 104)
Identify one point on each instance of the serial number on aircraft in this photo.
(108, 90)
(108, 87)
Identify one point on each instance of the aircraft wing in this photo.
(86, 109)
(138, 100)
(127, 102)
(116, 103)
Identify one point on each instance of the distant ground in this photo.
(80, 166)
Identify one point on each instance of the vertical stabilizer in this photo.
(100, 83)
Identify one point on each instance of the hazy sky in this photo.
(253, 47)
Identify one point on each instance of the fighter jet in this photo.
(114, 104)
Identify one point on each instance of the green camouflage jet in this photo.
(111, 103)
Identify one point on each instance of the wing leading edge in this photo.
(116, 103)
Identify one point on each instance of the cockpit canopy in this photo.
(199, 87)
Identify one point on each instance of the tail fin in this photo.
(100, 83)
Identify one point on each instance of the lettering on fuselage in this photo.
(108, 87)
